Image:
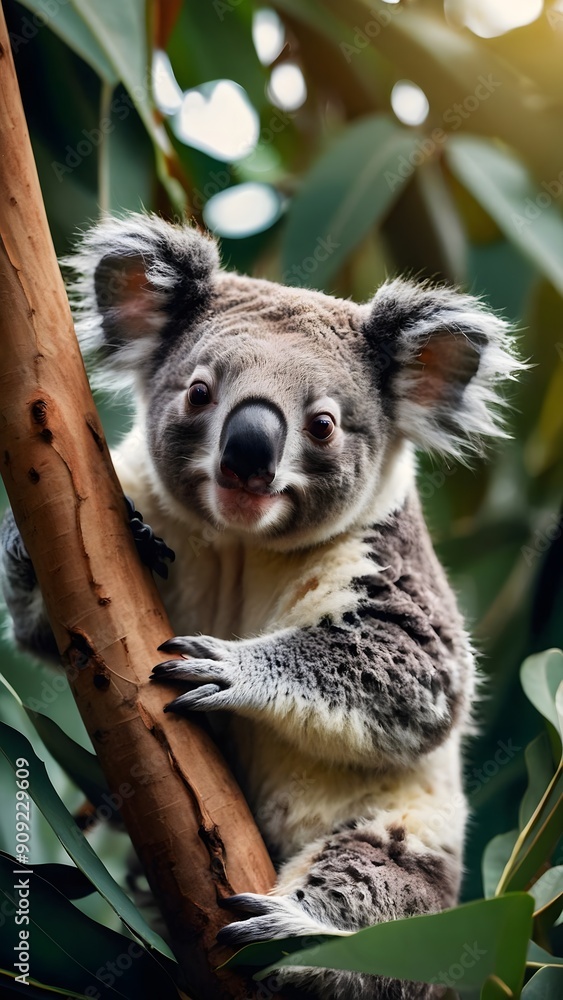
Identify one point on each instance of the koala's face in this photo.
(263, 418)
(272, 411)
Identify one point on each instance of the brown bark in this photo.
(187, 818)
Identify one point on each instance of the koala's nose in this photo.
(252, 444)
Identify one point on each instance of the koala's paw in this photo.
(152, 549)
(270, 917)
(214, 669)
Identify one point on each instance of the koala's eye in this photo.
(321, 427)
(199, 394)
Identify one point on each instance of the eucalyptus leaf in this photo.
(539, 764)
(449, 65)
(495, 989)
(538, 957)
(541, 676)
(214, 41)
(546, 984)
(70, 951)
(348, 190)
(505, 188)
(80, 765)
(548, 887)
(121, 32)
(536, 841)
(68, 24)
(34, 990)
(69, 880)
(480, 939)
(548, 896)
(495, 859)
(14, 746)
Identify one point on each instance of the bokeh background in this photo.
(331, 143)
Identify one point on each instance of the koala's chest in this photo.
(231, 588)
(230, 591)
(225, 594)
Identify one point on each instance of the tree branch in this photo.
(187, 818)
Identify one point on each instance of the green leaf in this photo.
(495, 989)
(14, 746)
(112, 38)
(505, 188)
(349, 189)
(559, 708)
(209, 44)
(70, 26)
(548, 887)
(538, 957)
(541, 676)
(536, 841)
(121, 31)
(547, 984)
(424, 231)
(495, 859)
(548, 896)
(69, 880)
(70, 951)
(81, 766)
(35, 990)
(449, 65)
(480, 939)
(539, 764)
(126, 166)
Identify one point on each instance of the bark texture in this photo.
(187, 818)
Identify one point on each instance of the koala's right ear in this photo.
(136, 278)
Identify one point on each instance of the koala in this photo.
(274, 448)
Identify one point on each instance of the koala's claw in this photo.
(152, 549)
(211, 665)
(191, 671)
(271, 917)
(212, 679)
(203, 699)
(249, 902)
(202, 646)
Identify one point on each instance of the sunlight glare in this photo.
(218, 119)
(409, 103)
(243, 210)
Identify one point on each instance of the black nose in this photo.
(252, 444)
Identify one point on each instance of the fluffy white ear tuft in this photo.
(440, 357)
(134, 281)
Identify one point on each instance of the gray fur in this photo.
(31, 628)
(331, 641)
(397, 658)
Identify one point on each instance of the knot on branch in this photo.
(80, 655)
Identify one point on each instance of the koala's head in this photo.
(274, 411)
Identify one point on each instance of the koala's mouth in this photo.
(237, 505)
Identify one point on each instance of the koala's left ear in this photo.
(439, 357)
(138, 279)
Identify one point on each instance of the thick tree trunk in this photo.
(187, 818)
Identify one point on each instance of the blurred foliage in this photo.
(472, 195)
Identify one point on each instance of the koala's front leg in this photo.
(338, 696)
